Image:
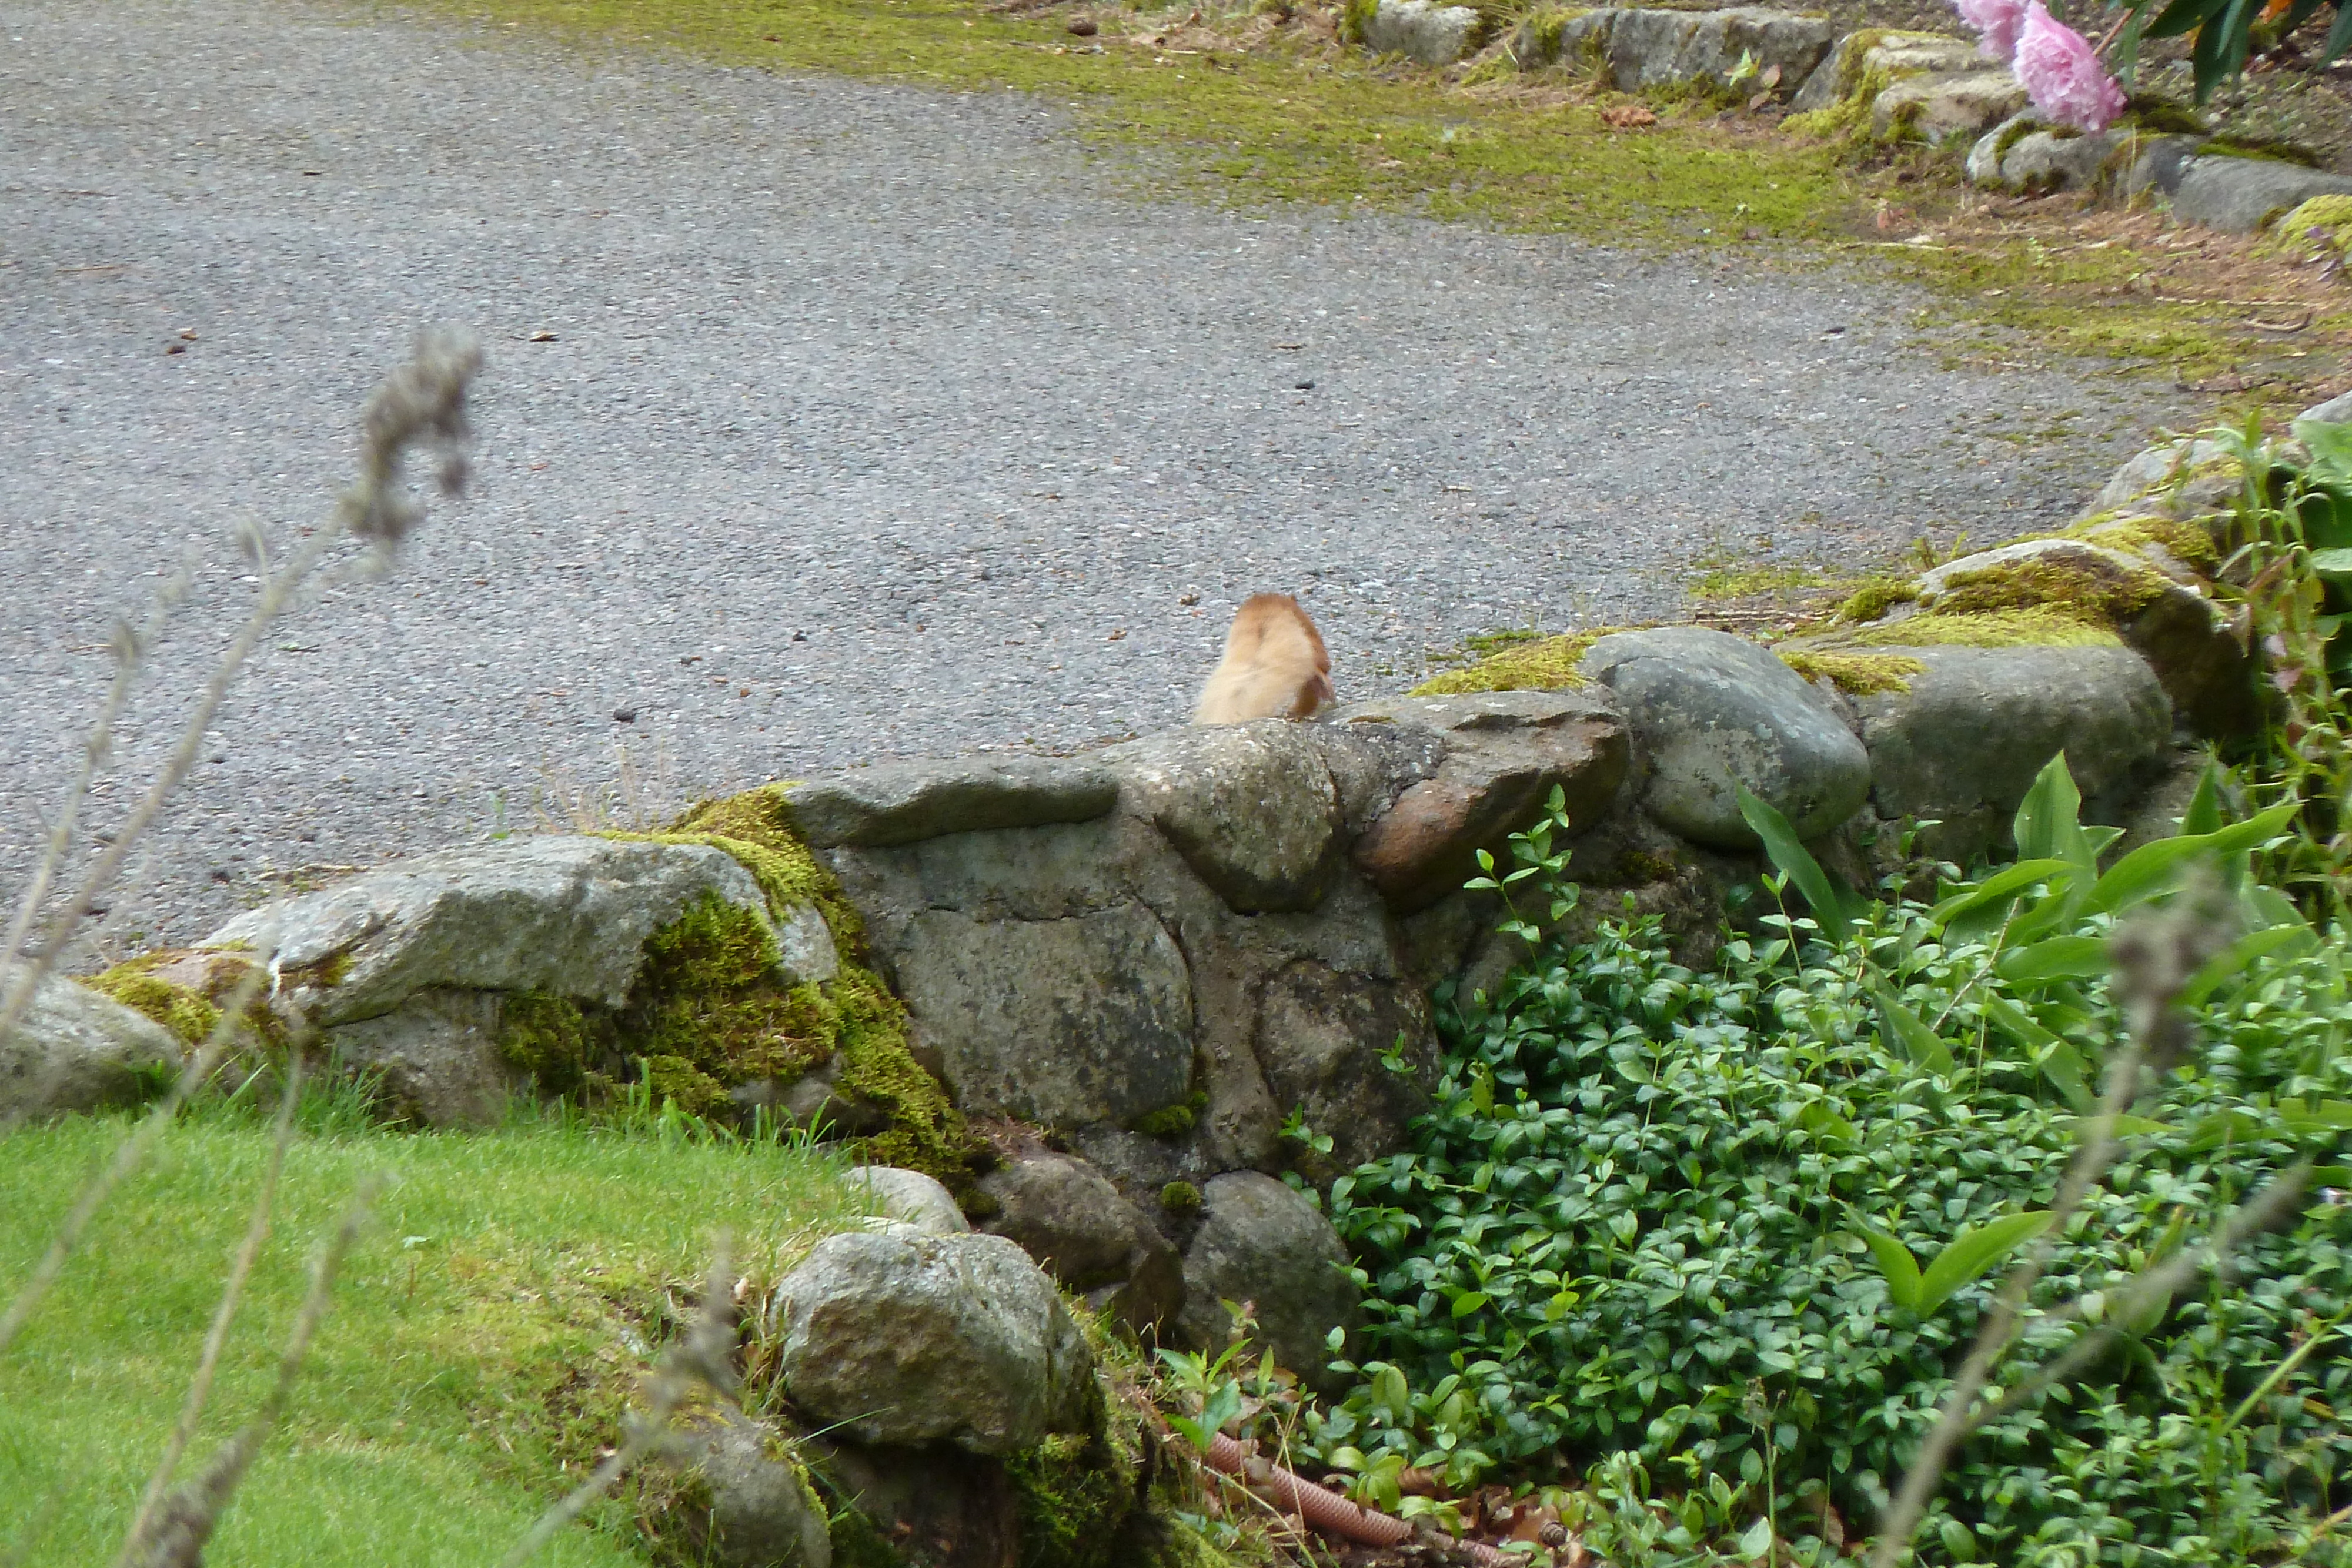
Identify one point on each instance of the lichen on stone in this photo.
(2323, 222)
(2188, 542)
(1856, 674)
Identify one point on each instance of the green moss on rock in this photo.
(189, 1000)
(2102, 593)
(552, 1038)
(1181, 1197)
(1168, 1122)
(1541, 665)
(1875, 597)
(1073, 1495)
(1856, 674)
(2040, 627)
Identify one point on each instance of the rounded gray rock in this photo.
(761, 1511)
(1262, 1243)
(1710, 708)
(564, 916)
(898, 1336)
(908, 1197)
(74, 1049)
(1067, 1216)
(1963, 744)
(1251, 807)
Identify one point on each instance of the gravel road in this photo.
(826, 422)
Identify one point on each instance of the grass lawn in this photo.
(483, 1339)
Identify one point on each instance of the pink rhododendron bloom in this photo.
(1999, 21)
(2062, 75)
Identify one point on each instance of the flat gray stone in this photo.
(2243, 195)
(1941, 109)
(1322, 1034)
(1063, 1023)
(752, 1507)
(2180, 479)
(907, 803)
(1263, 1243)
(898, 1336)
(1784, 49)
(1252, 808)
(908, 1197)
(1708, 708)
(1431, 35)
(1964, 744)
(74, 1049)
(2044, 161)
(434, 1058)
(2161, 163)
(1896, 55)
(2336, 410)
(565, 916)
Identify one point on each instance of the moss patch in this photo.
(2320, 228)
(1073, 1495)
(1542, 664)
(1875, 597)
(1857, 674)
(554, 1040)
(926, 1133)
(2101, 592)
(1181, 1197)
(188, 1000)
(2187, 543)
(708, 1001)
(2042, 627)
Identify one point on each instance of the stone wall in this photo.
(1132, 968)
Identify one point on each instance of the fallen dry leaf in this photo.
(1628, 116)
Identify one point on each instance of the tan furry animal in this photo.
(1274, 667)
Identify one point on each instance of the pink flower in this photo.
(2059, 73)
(1999, 21)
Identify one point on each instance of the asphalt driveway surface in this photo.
(826, 422)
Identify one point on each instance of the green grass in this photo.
(478, 1342)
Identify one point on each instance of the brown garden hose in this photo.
(1328, 1512)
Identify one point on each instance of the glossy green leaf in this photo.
(2002, 886)
(2055, 959)
(2049, 825)
(1974, 1251)
(1900, 1269)
(1756, 1541)
(2242, 955)
(1921, 1044)
(1830, 909)
(1467, 1303)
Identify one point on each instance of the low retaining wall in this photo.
(1132, 968)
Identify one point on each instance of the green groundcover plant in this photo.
(1724, 1234)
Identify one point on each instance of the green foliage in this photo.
(1735, 1227)
(2225, 32)
(2290, 534)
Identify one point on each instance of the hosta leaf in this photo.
(1974, 1251)
(1899, 1268)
